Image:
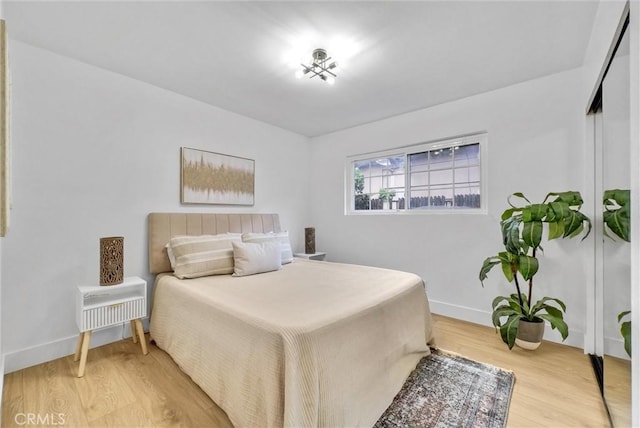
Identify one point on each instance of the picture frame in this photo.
(215, 178)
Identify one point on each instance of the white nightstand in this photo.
(312, 256)
(103, 306)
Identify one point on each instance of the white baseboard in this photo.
(17, 360)
(39, 354)
(460, 312)
(615, 348)
(576, 337)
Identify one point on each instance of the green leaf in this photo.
(588, 221)
(616, 197)
(500, 312)
(541, 303)
(573, 224)
(525, 305)
(508, 213)
(504, 259)
(622, 315)
(507, 270)
(515, 305)
(502, 308)
(625, 331)
(511, 233)
(537, 212)
(572, 198)
(558, 210)
(556, 230)
(576, 231)
(553, 311)
(556, 323)
(528, 266)
(514, 297)
(497, 301)
(517, 195)
(509, 330)
(618, 223)
(487, 265)
(532, 233)
(578, 221)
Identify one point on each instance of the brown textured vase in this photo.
(111, 260)
(529, 334)
(309, 240)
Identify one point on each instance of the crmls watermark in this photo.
(35, 419)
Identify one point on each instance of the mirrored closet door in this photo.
(616, 263)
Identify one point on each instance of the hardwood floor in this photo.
(555, 386)
(121, 388)
(618, 390)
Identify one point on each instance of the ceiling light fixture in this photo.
(320, 66)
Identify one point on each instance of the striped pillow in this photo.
(281, 237)
(203, 255)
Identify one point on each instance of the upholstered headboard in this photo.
(163, 226)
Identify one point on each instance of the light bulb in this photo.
(331, 80)
(299, 74)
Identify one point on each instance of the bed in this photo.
(311, 344)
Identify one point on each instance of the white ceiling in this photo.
(394, 57)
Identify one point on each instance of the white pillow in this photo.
(172, 258)
(250, 258)
(281, 237)
(203, 255)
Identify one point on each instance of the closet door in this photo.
(616, 252)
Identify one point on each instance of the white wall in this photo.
(93, 153)
(536, 133)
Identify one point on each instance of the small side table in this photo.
(312, 256)
(104, 306)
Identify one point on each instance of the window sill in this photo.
(445, 211)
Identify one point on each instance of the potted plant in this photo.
(616, 216)
(516, 315)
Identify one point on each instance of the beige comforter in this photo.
(314, 344)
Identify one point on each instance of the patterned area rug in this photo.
(447, 390)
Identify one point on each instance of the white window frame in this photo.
(481, 138)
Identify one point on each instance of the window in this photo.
(442, 176)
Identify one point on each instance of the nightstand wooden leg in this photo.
(134, 335)
(76, 357)
(86, 338)
(143, 342)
